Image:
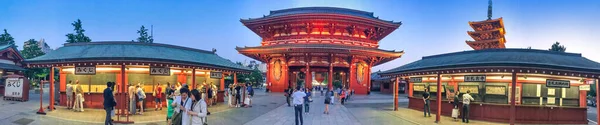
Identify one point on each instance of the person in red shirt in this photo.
(158, 97)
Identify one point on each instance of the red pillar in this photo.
(330, 78)
(234, 78)
(122, 98)
(396, 93)
(222, 85)
(512, 98)
(308, 77)
(597, 100)
(439, 98)
(193, 78)
(51, 89)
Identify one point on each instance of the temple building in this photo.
(522, 86)
(322, 46)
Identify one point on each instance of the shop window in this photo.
(418, 90)
(92, 83)
(473, 87)
(539, 94)
(496, 94)
(433, 91)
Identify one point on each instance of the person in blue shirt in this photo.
(109, 103)
(307, 101)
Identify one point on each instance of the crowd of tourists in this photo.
(240, 95)
(466, 100)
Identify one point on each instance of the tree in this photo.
(144, 37)
(79, 36)
(6, 38)
(557, 47)
(32, 51)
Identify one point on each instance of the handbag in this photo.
(154, 93)
(177, 116)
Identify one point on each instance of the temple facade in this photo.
(320, 46)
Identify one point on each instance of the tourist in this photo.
(466, 101)
(198, 111)
(426, 109)
(141, 96)
(215, 89)
(298, 97)
(210, 94)
(132, 99)
(238, 97)
(229, 96)
(69, 92)
(158, 97)
(79, 97)
(250, 94)
(109, 103)
(288, 94)
(183, 104)
(320, 89)
(455, 103)
(170, 94)
(332, 96)
(342, 96)
(307, 100)
(327, 102)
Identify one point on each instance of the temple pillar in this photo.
(268, 77)
(439, 98)
(193, 78)
(308, 77)
(396, 93)
(234, 78)
(597, 100)
(51, 89)
(330, 78)
(222, 83)
(352, 74)
(512, 98)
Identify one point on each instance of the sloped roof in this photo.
(322, 10)
(134, 51)
(529, 58)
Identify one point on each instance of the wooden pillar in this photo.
(409, 85)
(597, 100)
(123, 98)
(512, 98)
(193, 78)
(222, 81)
(234, 78)
(51, 89)
(396, 93)
(307, 77)
(269, 83)
(439, 98)
(330, 78)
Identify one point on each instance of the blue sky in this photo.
(429, 27)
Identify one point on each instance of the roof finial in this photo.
(489, 10)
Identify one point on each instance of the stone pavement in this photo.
(284, 115)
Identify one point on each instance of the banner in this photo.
(13, 87)
(85, 70)
(163, 71)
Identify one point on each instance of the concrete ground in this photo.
(268, 109)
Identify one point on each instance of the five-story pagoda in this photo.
(320, 46)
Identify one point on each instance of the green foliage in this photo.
(144, 37)
(592, 91)
(337, 84)
(255, 77)
(32, 51)
(79, 36)
(6, 38)
(557, 47)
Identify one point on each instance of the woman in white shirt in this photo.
(198, 111)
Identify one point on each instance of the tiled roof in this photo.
(128, 51)
(322, 10)
(502, 57)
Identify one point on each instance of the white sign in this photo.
(165, 71)
(584, 87)
(13, 87)
(87, 70)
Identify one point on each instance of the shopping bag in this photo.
(455, 113)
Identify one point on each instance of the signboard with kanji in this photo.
(558, 83)
(216, 75)
(474, 78)
(13, 87)
(85, 70)
(163, 71)
(416, 79)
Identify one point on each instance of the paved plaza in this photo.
(268, 109)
